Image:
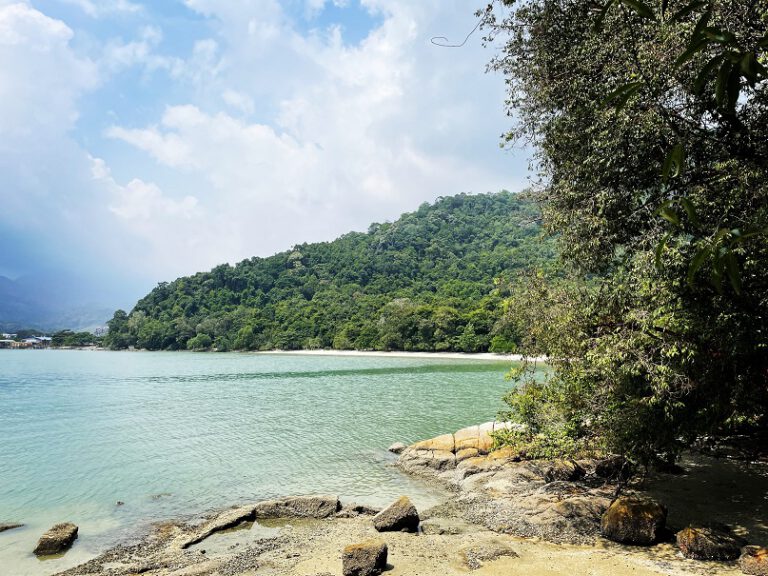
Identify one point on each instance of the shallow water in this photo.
(174, 434)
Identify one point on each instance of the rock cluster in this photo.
(560, 500)
(401, 515)
(367, 558)
(56, 540)
(10, 526)
(292, 507)
(634, 520)
(709, 543)
(754, 560)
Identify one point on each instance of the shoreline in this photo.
(486, 356)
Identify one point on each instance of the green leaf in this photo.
(683, 12)
(641, 8)
(621, 95)
(706, 72)
(696, 45)
(733, 88)
(673, 163)
(721, 86)
(732, 269)
(690, 211)
(696, 263)
(601, 15)
(718, 35)
(660, 247)
(701, 24)
(668, 213)
(751, 69)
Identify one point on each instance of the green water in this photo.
(180, 434)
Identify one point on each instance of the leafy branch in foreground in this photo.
(650, 122)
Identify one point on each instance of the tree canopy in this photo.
(432, 280)
(650, 122)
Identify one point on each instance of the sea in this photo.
(116, 441)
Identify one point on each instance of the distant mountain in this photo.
(425, 282)
(47, 302)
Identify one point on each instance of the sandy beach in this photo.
(484, 356)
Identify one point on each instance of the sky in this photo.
(142, 141)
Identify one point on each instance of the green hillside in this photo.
(432, 280)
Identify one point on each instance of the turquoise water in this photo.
(179, 434)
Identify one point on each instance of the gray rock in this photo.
(291, 507)
(397, 448)
(709, 543)
(298, 507)
(56, 540)
(564, 470)
(225, 520)
(401, 515)
(634, 521)
(754, 560)
(367, 558)
(10, 526)
(475, 554)
(355, 510)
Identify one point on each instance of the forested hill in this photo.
(429, 281)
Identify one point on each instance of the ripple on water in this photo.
(84, 430)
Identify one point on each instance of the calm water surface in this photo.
(179, 434)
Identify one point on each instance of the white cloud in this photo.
(358, 133)
(105, 7)
(41, 78)
(271, 135)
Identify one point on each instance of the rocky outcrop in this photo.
(445, 452)
(474, 555)
(293, 507)
(397, 447)
(10, 526)
(401, 515)
(367, 558)
(555, 500)
(633, 520)
(355, 510)
(754, 560)
(298, 507)
(709, 543)
(56, 540)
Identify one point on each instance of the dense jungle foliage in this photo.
(434, 280)
(650, 121)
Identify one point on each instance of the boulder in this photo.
(222, 521)
(709, 543)
(298, 507)
(465, 453)
(754, 560)
(612, 468)
(467, 438)
(563, 470)
(397, 448)
(632, 520)
(401, 515)
(355, 510)
(367, 558)
(474, 555)
(10, 526)
(56, 540)
(485, 440)
(444, 443)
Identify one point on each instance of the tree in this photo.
(651, 130)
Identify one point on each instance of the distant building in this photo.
(7, 343)
(9, 336)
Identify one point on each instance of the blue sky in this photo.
(143, 141)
